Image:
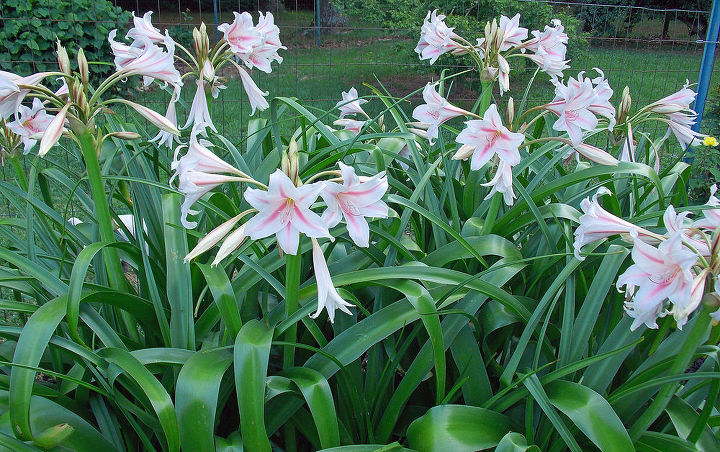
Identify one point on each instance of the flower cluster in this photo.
(671, 271)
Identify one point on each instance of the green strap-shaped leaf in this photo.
(196, 397)
(224, 296)
(316, 390)
(532, 383)
(457, 428)
(684, 417)
(251, 355)
(153, 389)
(591, 413)
(394, 447)
(515, 442)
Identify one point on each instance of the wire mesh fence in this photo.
(333, 45)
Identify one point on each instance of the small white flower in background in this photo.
(144, 29)
(354, 200)
(550, 48)
(435, 111)
(513, 33)
(657, 274)
(350, 104)
(284, 210)
(31, 123)
(352, 125)
(11, 95)
(502, 183)
(488, 137)
(597, 223)
(328, 298)
(436, 38)
(128, 220)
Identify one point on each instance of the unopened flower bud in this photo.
(293, 162)
(463, 152)
(124, 135)
(510, 111)
(201, 41)
(208, 71)
(625, 103)
(155, 118)
(285, 163)
(53, 132)
(63, 59)
(83, 67)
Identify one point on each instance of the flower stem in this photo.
(695, 338)
(292, 287)
(485, 97)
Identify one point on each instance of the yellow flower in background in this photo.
(710, 141)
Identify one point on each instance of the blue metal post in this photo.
(317, 22)
(707, 63)
(215, 12)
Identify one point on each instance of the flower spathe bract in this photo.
(354, 200)
(436, 38)
(350, 104)
(328, 297)
(657, 274)
(284, 210)
(31, 123)
(435, 111)
(489, 137)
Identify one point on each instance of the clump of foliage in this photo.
(31, 27)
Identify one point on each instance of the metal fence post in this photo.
(707, 63)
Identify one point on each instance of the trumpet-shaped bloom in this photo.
(144, 29)
(284, 210)
(711, 218)
(350, 104)
(31, 123)
(328, 298)
(352, 125)
(680, 124)
(597, 223)
(502, 183)
(11, 95)
(489, 137)
(681, 99)
(657, 274)
(152, 62)
(513, 33)
(436, 38)
(194, 184)
(550, 48)
(354, 200)
(124, 53)
(199, 115)
(200, 159)
(257, 46)
(435, 111)
(164, 137)
(572, 105)
(675, 222)
(255, 95)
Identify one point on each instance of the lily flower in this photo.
(675, 222)
(328, 298)
(30, 123)
(488, 137)
(550, 48)
(680, 124)
(199, 113)
(194, 185)
(512, 33)
(680, 100)
(628, 150)
(256, 46)
(658, 274)
(352, 125)
(284, 210)
(502, 183)
(124, 53)
(152, 63)
(164, 137)
(711, 218)
(597, 223)
(572, 105)
(435, 111)
(350, 104)
(200, 159)
(11, 95)
(255, 95)
(143, 29)
(354, 200)
(436, 38)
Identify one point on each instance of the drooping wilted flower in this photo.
(31, 123)
(284, 210)
(435, 111)
(328, 298)
(488, 137)
(657, 274)
(354, 200)
(436, 38)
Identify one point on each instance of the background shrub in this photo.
(32, 27)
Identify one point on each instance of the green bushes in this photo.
(32, 26)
